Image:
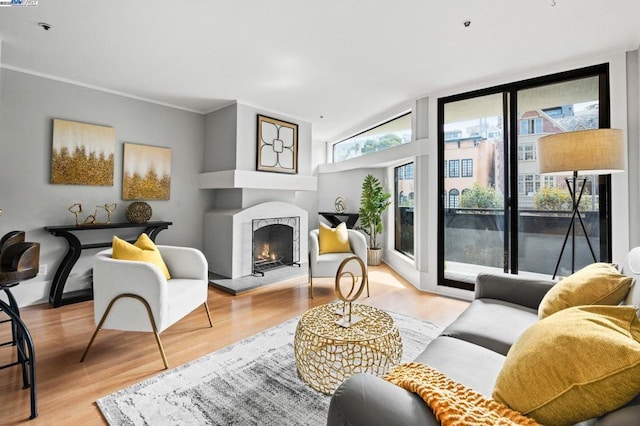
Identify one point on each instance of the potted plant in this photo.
(374, 200)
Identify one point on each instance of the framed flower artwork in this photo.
(277, 146)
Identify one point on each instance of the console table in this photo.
(336, 219)
(57, 296)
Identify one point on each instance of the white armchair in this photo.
(327, 264)
(136, 296)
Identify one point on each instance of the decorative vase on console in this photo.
(139, 212)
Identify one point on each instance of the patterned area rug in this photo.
(252, 382)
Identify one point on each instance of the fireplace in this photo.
(275, 243)
(228, 235)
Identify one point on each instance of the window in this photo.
(510, 223)
(531, 126)
(527, 152)
(454, 168)
(392, 133)
(404, 208)
(531, 184)
(467, 167)
(454, 199)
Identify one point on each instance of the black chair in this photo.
(19, 261)
(8, 239)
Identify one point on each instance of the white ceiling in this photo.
(345, 60)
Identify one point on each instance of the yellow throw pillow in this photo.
(577, 364)
(334, 240)
(143, 250)
(595, 284)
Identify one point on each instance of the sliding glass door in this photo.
(496, 213)
(473, 193)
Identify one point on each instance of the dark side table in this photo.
(57, 296)
(336, 219)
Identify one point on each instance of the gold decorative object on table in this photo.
(92, 219)
(139, 212)
(327, 354)
(76, 209)
(348, 319)
(109, 208)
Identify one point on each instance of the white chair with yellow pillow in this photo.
(328, 247)
(144, 287)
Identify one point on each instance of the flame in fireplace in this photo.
(266, 253)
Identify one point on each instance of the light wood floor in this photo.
(67, 389)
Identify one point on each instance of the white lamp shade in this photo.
(597, 151)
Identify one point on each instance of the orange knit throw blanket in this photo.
(451, 402)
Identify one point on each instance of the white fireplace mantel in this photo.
(257, 180)
(228, 235)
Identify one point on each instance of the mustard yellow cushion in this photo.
(577, 364)
(595, 284)
(334, 240)
(143, 250)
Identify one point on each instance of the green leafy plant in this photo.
(481, 197)
(554, 198)
(374, 200)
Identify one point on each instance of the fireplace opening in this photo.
(276, 243)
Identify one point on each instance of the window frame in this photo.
(368, 129)
(512, 125)
(467, 171)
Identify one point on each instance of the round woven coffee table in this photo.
(327, 354)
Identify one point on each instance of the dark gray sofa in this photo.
(471, 351)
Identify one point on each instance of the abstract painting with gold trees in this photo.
(82, 154)
(146, 172)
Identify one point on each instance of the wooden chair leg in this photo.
(206, 307)
(366, 277)
(93, 337)
(149, 314)
(311, 286)
(162, 354)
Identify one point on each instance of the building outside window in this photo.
(454, 199)
(531, 126)
(467, 167)
(454, 168)
(527, 152)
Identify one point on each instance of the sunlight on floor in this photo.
(385, 278)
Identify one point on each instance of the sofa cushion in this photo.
(466, 363)
(493, 324)
(579, 363)
(143, 250)
(595, 284)
(333, 240)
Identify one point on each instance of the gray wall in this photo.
(220, 137)
(633, 136)
(248, 134)
(348, 185)
(30, 202)
(230, 144)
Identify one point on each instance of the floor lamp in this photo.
(591, 152)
